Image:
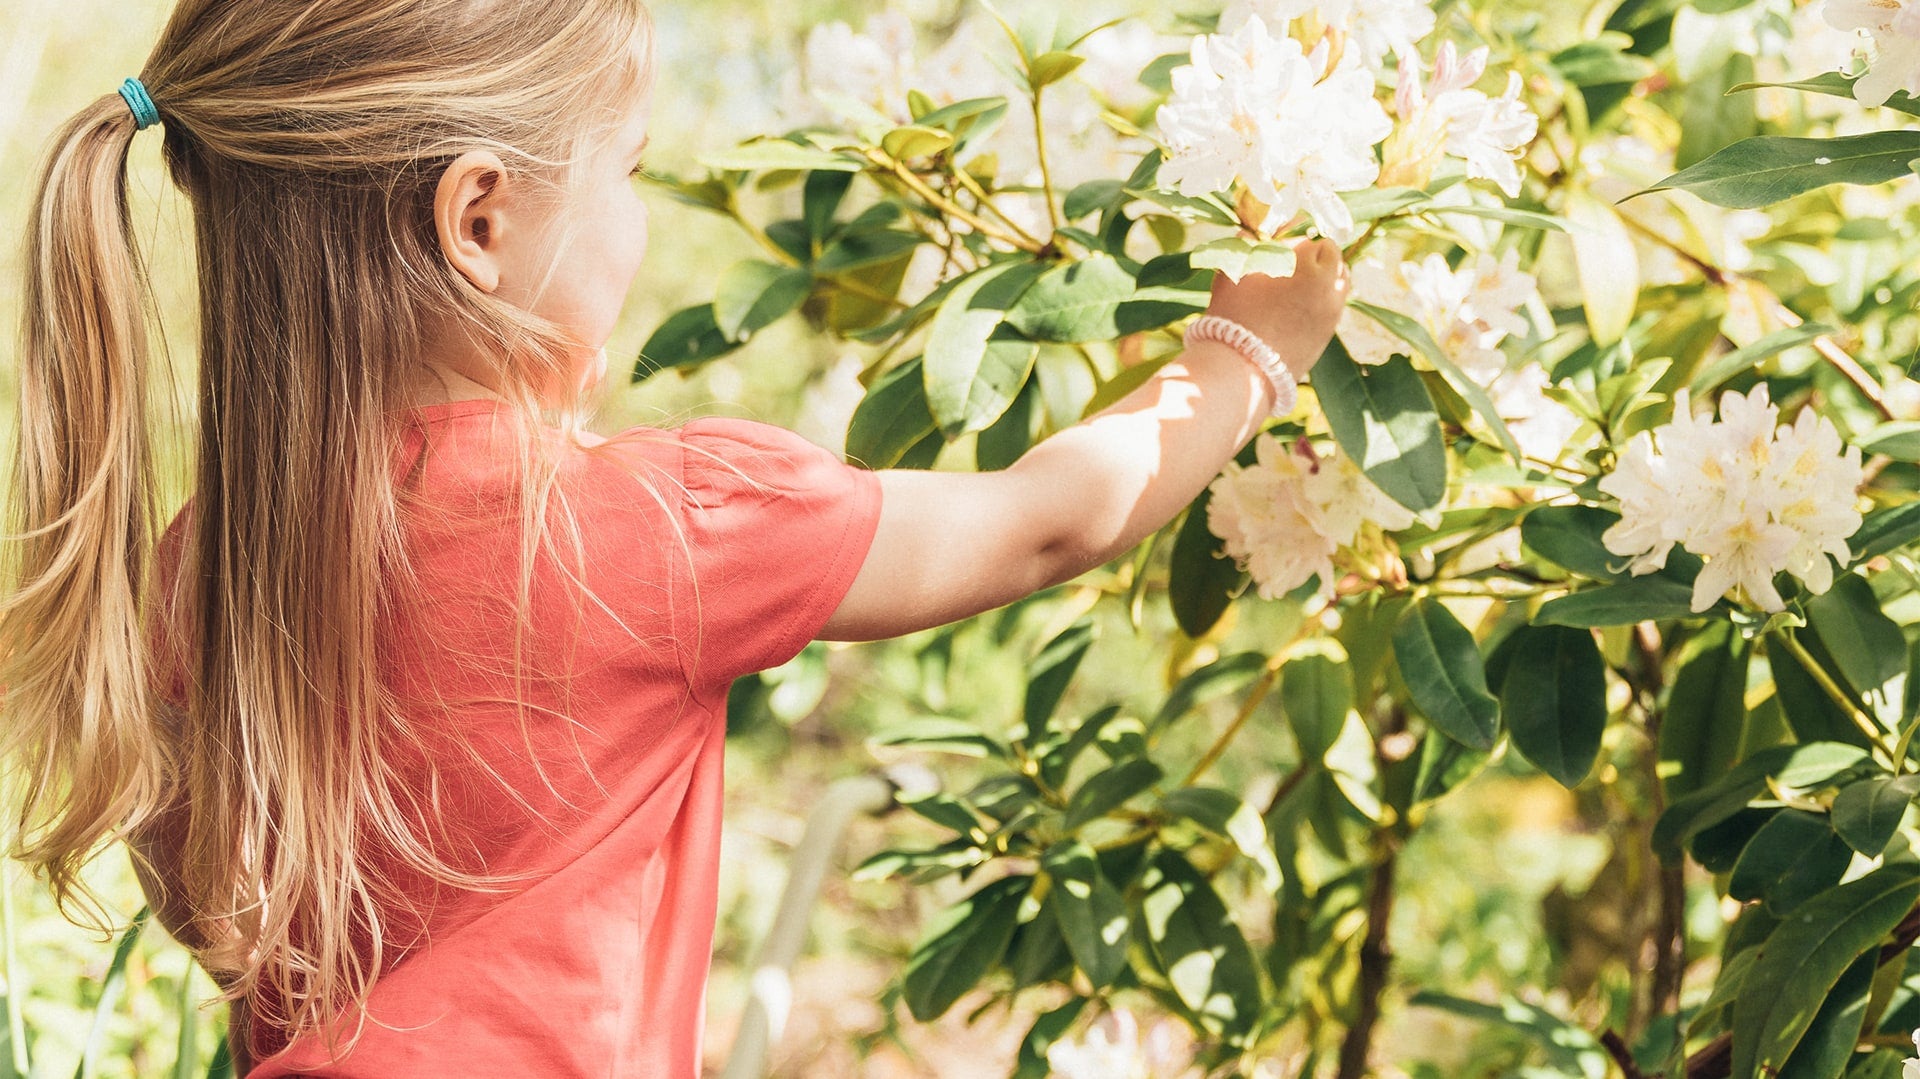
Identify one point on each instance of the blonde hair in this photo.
(308, 136)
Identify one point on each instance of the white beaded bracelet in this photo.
(1248, 344)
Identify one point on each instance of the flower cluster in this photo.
(1282, 100)
(1282, 519)
(1469, 311)
(1750, 496)
(1449, 118)
(1293, 127)
(1894, 29)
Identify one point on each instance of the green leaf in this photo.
(1090, 196)
(1836, 84)
(1224, 814)
(1766, 169)
(1899, 440)
(1572, 538)
(1867, 813)
(1384, 419)
(1049, 673)
(1197, 946)
(1109, 789)
(753, 294)
(1555, 699)
(1214, 678)
(1008, 438)
(1201, 581)
(821, 196)
(961, 945)
(859, 247)
(1445, 675)
(915, 140)
(1803, 959)
(1829, 1043)
(1607, 265)
(974, 366)
(1869, 647)
(1476, 395)
(112, 985)
(768, 154)
(1797, 766)
(1636, 599)
(1793, 857)
(941, 734)
(1597, 63)
(1709, 378)
(946, 811)
(1051, 67)
(1885, 531)
(1571, 1050)
(1092, 917)
(1237, 257)
(688, 336)
(1075, 302)
(1316, 692)
(891, 418)
(1706, 715)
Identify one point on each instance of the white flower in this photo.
(1894, 26)
(1911, 1068)
(1450, 117)
(1469, 311)
(874, 68)
(1282, 519)
(1377, 27)
(1113, 1049)
(1116, 57)
(1542, 426)
(1259, 108)
(1748, 495)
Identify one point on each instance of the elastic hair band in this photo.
(145, 115)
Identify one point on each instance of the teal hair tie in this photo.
(145, 115)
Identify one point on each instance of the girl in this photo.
(413, 714)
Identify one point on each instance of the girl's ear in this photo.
(470, 217)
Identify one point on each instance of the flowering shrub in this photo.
(1504, 522)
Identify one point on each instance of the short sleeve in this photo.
(777, 529)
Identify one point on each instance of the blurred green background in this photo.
(1477, 878)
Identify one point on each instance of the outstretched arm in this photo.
(951, 544)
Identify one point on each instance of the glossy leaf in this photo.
(891, 419)
(1316, 692)
(974, 362)
(1444, 674)
(688, 336)
(1197, 946)
(753, 294)
(1555, 699)
(1865, 814)
(1766, 169)
(1384, 419)
(1804, 958)
(1092, 917)
(1636, 599)
(1074, 302)
(1110, 789)
(1706, 715)
(1793, 857)
(961, 945)
(1049, 673)
(1225, 814)
(1475, 395)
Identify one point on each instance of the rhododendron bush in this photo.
(1608, 475)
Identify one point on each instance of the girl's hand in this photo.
(1295, 315)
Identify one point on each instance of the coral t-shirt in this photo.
(598, 967)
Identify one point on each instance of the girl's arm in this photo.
(953, 544)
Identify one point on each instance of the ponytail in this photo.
(84, 764)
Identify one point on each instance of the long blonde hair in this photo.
(308, 136)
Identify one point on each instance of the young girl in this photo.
(413, 714)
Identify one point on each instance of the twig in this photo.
(1616, 1048)
(1376, 957)
(938, 201)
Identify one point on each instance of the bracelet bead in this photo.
(1249, 345)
